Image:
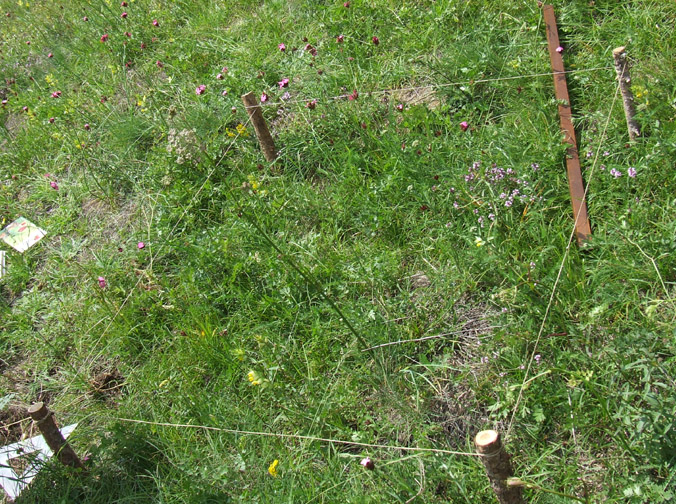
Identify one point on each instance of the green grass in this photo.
(289, 273)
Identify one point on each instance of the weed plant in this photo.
(402, 275)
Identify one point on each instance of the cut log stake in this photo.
(262, 132)
(498, 467)
(575, 184)
(622, 70)
(44, 419)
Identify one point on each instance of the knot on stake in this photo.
(498, 467)
(44, 419)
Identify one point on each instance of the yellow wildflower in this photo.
(273, 468)
(254, 378)
(253, 182)
(479, 242)
(241, 129)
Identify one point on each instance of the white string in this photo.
(563, 261)
(429, 86)
(299, 436)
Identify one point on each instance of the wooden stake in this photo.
(575, 184)
(44, 419)
(622, 70)
(498, 467)
(262, 132)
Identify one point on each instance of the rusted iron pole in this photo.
(262, 132)
(622, 70)
(498, 467)
(44, 419)
(575, 183)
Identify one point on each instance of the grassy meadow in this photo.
(401, 277)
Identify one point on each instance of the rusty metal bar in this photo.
(575, 183)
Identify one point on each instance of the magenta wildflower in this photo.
(87, 127)
(311, 49)
(50, 55)
(141, 245)
(283, 83)
(219, 76)
(224, 70)
(156, 22)
(54, 185)
(366, 461)
(224, 93)
(353, 96)
(311, 104)
(281, 47)
(464, 125)
(85, 19)
(346, 5)
(340, 39)
(199, 90)
(127, 34)
(233, 110)
(102, 282)
(538, 358)
(559, 49)
(124, 15)
(104, 37)
(124, 4)
(400, 107)
(3, 103)
(51, 120)
(25, 109)
(375, 40)
(56, 94)
(631, 172)
(264, 98)
(159, 64)
(615, 173)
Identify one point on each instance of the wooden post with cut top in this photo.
(262, 132)
(575, 183)
(498, 467)
(44, 419)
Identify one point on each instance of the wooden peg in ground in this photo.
(44, 419)
(498, 467)
(262, 132)
(622, 70)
